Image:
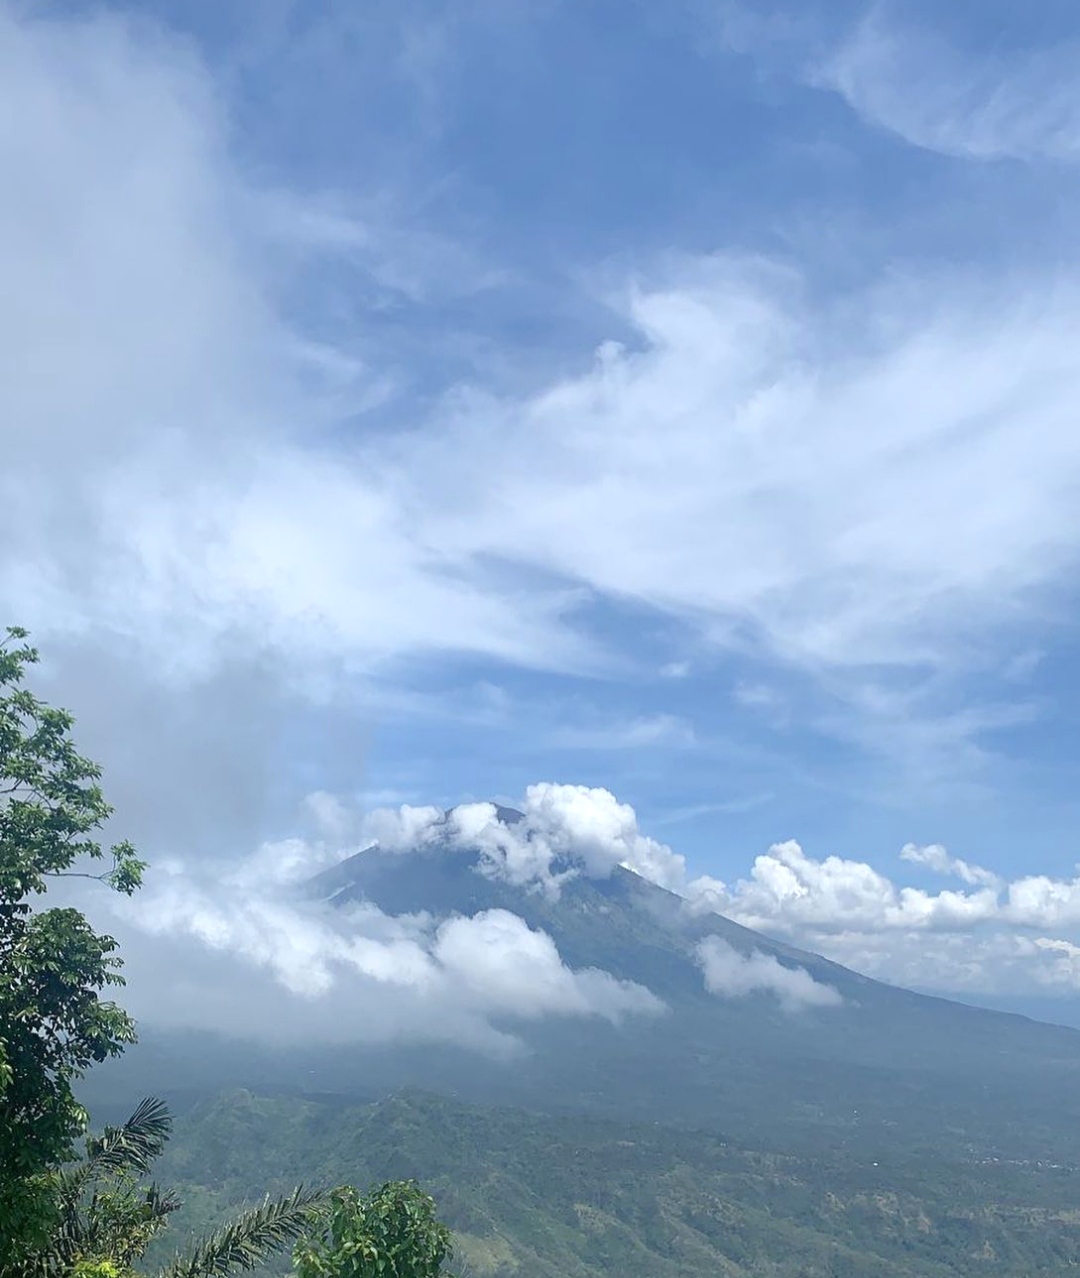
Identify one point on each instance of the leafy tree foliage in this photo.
(96, 1217)
(104, 1215)
(391, 1232)
(54, 967)
(108, 1214)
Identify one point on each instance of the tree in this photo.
(54, 967)
(392, 1232)
(108, 1214)
(104, 1214)
(93, 1218)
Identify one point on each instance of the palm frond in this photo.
(133, 1146)
(119, 1152)
(248, 1240)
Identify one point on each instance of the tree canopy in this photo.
(95, 1216)
(54, 968)
(392, 1232)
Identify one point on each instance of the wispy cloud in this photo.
(744, 803)
(660, 730)
(937, 858)
(1014, 104)
(720, 472)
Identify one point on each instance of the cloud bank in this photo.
(462, 978)
(984, 936)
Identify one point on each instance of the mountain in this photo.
(852, 1075)
(807, 1121)
(869, 1070)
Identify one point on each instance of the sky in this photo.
(416, 403)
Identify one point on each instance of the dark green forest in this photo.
(538, 1196)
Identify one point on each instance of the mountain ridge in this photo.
(883, 1065)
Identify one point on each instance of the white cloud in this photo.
(565, 830)
(364, 974)
(719, 469)
(649, 730)
(569, 830)
(730, 974)
(937, 858)
(1015, 105)
(451, 978)
(403, 829)
(1040, 901)
(165, 478)
(978, 940)
(789, 890)
(738, 479)
(512, 969)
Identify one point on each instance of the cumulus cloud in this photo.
(937, 858)
(452, 977)
(564, 830)
(730, 974)
(567, 830)
(508, 967)
(789, 889)
(975, 940)
(364, 974)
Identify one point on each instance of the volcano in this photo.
(783, 1049)
(873, 1064)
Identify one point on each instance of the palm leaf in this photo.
(135, 1145)
(248, 1240)
(127, 1150)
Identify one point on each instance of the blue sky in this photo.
(415, 402)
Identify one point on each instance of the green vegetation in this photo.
(392, 1232)
(97, 1216)
(538, 1196)
(895, 1165)
(108, 1215)
(53, 965)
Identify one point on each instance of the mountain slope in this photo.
(885, 1069)
(541, 1197)
(846, 1075)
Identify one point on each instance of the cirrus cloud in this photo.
(995, 106)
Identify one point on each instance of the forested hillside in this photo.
(538, 1196)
